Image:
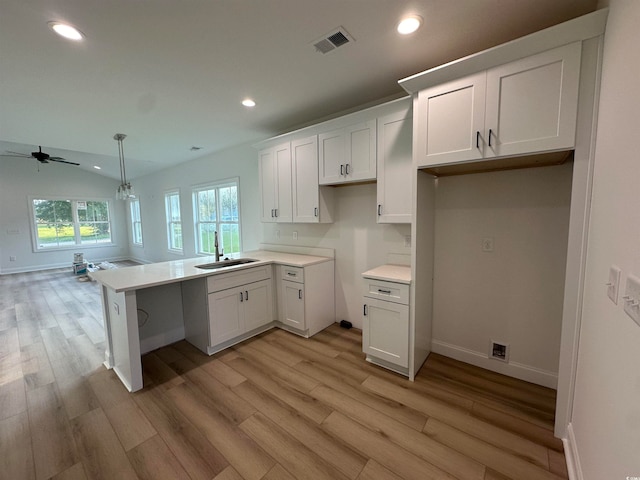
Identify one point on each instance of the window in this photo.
(174, 224)
(216, 210)
(136, 222)
(67, 223)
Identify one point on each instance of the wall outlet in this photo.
(499, 351)
(12, 258)
(295, 235)
(407, 240)
(487, 244)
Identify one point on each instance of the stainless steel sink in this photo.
(226, 263)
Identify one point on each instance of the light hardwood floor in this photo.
(275, 407)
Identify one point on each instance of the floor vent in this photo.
(332, 40)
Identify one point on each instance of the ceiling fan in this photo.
(41, 156)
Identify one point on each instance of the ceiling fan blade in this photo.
(61, 160)
(15, 154)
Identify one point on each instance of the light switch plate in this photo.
(487, 244)
(613, 285)
(631, 298)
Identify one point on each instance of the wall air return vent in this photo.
(332, 40)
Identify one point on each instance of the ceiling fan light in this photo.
(66, 31)
(409, 24)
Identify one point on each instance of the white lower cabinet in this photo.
(306, 298)
(385, 326)
(221, 310)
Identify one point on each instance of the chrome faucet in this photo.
(215, 242)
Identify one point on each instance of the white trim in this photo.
(571, 455)
(527, 373)
(299, 249)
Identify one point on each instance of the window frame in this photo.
(217, 185)
(76, 223)
(134, 222)
(169, 222)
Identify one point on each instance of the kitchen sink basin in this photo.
(226, 263)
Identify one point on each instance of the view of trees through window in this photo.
(216, 209)
(61, 223)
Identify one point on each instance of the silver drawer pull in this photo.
(388, 292)
(291, 274)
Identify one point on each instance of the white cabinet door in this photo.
(394, 167)
(532, 103)
(293, 305)
(331, 157)
(284, 211)
(257, 304)
(267, 172)
(361, 152)
(274, 166)
(348, 154)
(304, 171)
(450, 121)
(225, 315)
(385, 331)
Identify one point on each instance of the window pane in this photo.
(174, 202)
(229, 204)
(207, 237)
(52, 211)
(99, 211)
(207, 206)
(55, 234)
(230, 237)
(137, 233)
(95, 232)
(175, 236)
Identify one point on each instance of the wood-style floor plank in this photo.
(275, 407)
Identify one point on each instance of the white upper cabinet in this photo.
(522, 107)
(348, 154)
(311, 203)
(275, 184)
(394, 186)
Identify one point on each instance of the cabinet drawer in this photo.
(293, 274)
(389, 291)
(235, 278)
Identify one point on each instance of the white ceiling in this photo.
(171, 74)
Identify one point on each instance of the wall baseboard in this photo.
(53, 266)
(512, 369)
(571, 455)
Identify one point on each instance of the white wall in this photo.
(239, 162)
(360, 244)
(21, 178)
(606, 408)
(515, 293)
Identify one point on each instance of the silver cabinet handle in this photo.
(241, 297)
(388, 292)
(364, 310)
(315, 211)
(246, 294)
(341, 170)
(490, 132)
(478, 139)
(346, 169)
(276, 210)
(272, 213)
(300, 294)
(379, 209)
(292, 274)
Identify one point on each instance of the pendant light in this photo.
(125, 190)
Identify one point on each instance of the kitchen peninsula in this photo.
(149, 306)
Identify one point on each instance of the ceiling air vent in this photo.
(332, 40)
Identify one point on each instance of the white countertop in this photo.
(153, 274)
(390, 273)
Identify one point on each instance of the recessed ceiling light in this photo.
(409, 24)
(66, 31)
(97, 167)
(247, 102)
